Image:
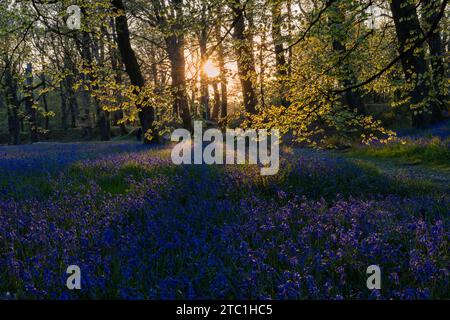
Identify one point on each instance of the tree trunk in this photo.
(346, 72)
(280, 58)
(408, 30)
(289, 37)
(430, 16)
(175, 47)
(146, 113)
(223, 74)
(262, 67)
(116, 66)
(172, 27)
(216, 107)
(63, 107)
(245, 58)
(102, 116)
(73, 103)
(204, 91)
(85, 95)
(13, 105)
(103, 119)
(29, 101)
(44, 100)
(68, 84)
(445, 37)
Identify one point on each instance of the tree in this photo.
(280, 57)
(203, 43)
(170, 21)
(346, 72)
(13, 107)
(222, 68)
(430, 13)
(146, 111)
(29, 105)
(408, 31)
(245, 58)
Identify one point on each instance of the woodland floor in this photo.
(140, 227)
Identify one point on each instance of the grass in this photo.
(433, 152)
(117, 182)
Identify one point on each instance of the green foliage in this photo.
(327, 48)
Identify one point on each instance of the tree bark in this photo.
(262, 68)
(44, 101)
(72, 99)
(245, 58)
(175, 43)
(68, 84)
(289, 37)
(103, 117)
(346, 74)
(29, 101)
(175, 46)
(85, 95)
(430, 16)
(203, 42)
(63, 96)
(116, 65)
(408, 30)
(88, 51)
(13, 106)
(216, 107)
(146, 113)
(223, 73)
(280, 58)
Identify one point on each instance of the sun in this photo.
(210, 69)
